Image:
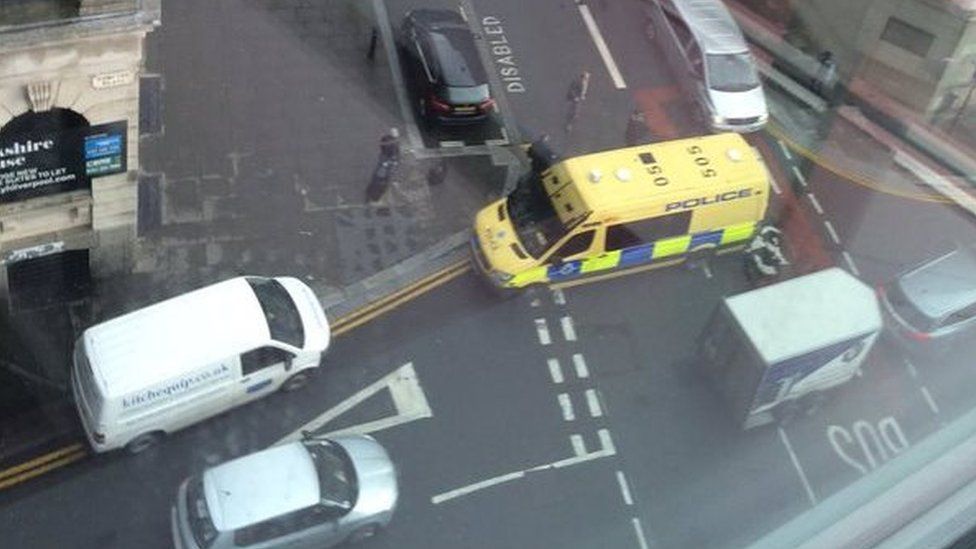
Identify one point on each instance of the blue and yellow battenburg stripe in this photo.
(635, 255)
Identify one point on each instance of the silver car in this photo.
(933, 305)
(312, 493)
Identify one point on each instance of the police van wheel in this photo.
(296, 382)
(143, 442)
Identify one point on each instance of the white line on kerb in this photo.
(555, 370)
(796, 465)
(579, 447)
(772, 181)
(543, 330)
(601, 46)
(831, 230)
(929, 400)
(707, 270)
(816, 203)
(567, 407)
(580, 364)
(593, 403)
(850, 263)
(568, 331)
(799, 176)
(624, 488)
(911, 369)
(558, 297)
(785, 149)
(639, 532)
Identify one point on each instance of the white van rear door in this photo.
(262, 371)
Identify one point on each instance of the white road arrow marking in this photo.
(408, 399)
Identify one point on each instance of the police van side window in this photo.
(575, 245)
(643, 231)
(262, 357)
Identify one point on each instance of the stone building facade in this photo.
(69, 143)
(921, 52)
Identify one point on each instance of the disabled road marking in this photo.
(408, 399)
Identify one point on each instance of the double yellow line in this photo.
(386, 304)
(74, 452)
(42, 464)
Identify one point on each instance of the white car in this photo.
(312, 493)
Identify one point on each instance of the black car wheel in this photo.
(295, 382)
(143, 442)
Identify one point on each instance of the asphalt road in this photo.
(571, 418)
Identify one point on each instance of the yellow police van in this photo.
(623, 209)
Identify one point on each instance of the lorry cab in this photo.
(159, 369)
(622, 209)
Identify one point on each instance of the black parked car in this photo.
(442, 63)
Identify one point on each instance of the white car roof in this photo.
(175, 337)
(713, 25)
(260, 486)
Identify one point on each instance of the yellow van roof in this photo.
(626, 177)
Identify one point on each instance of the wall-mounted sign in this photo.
(112, 79)
(34, 251)
(36, 163)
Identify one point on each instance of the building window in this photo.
(907, 37)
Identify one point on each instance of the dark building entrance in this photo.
(49, 280)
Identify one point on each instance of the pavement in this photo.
(271, 124)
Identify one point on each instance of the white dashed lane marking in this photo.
(555, 370)
(579, 363)
(830, 230)
(542, 328)
(593, 403)
(566, 404)
(579, 447)
(558, 297)
(799, 176)
(786, 150)
(929, 400)
(624, 488)
(850, 263)
(568, 331)
(816, 203)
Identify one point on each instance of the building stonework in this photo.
(90, 68)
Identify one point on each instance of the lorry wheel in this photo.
(296, 381)
(143, 442)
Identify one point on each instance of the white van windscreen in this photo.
(731, 72)
(284, 320)
(86, 384)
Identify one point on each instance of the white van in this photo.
(712, 61)
(153, 371)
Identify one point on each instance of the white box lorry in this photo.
(773, 351)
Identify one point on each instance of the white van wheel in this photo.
(295, 382)
(143, 442)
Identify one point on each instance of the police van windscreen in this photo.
(731, 72)
(533, 216)
(284, 320)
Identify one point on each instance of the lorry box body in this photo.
(782, 342)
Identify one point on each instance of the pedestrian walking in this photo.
(575, 97)
(541, 155)
(386, 166)
(826, 72)
(437, 173)
(637, 131)
(373, 38)
(390, 145)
